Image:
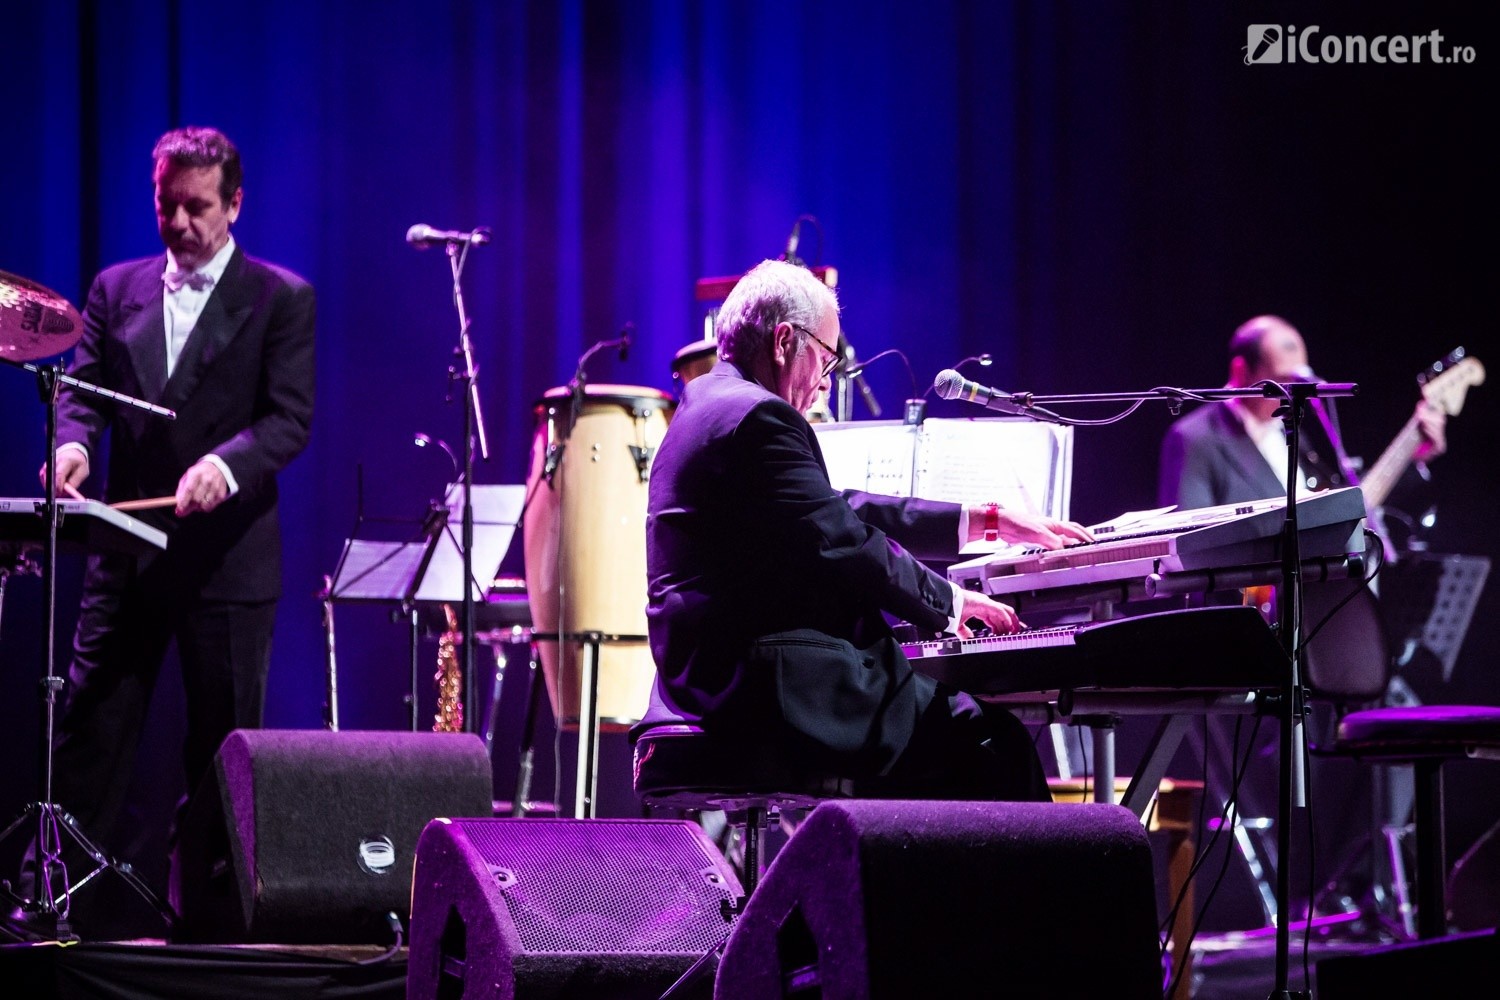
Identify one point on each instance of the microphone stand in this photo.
(848, 371)
(473, 427)
(1292, 786)
(50, 916)
(915, 406)
(1290, 701)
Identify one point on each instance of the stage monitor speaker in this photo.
(952, 899)
(310, 836)
(547, 908)
(1457, 965)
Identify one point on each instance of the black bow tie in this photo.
(177, 280)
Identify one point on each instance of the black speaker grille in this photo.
(607, 886)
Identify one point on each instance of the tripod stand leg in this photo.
(40, 916)
(48, 908)
(104, 862)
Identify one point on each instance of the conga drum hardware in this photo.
(695, 359)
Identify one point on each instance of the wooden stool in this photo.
(1175, 813)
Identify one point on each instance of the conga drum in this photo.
(585, 542)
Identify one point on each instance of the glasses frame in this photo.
(833, 356)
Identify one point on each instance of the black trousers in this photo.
(963, 749)
(122, 638)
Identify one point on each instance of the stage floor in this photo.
(149, 969)
(1228, 967)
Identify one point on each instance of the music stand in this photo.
(420, 575)
(1430, 601)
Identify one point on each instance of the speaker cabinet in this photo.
(310, 836)
(1457, 965)
(952, 899)
(544, 908)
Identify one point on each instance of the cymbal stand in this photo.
(49, 909)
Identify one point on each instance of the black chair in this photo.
(1423, 737)
(683, 767)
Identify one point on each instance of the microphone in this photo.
(790, 253)
(423, 236)
(625, 333)
(1304, 373)
(985, 360)
(949, 384)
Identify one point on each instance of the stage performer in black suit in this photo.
(767, 586)
(1233, 450)
(226, 341)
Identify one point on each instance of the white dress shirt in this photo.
(184, 294)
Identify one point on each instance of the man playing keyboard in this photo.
(769, 589)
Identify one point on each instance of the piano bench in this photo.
(1423, 737)
(681, 766)
(1175, 813)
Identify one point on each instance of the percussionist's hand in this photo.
(201, 488)
(999, 617)
(72, 470)
(1033, 529)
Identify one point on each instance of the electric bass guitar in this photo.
(1443, 386)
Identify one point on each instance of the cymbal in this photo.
(35, 322)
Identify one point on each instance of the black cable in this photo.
(1232, 799)
(394, 923)
(1364, 585)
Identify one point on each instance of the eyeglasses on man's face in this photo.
(833, 356)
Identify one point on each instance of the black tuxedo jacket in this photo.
(1207, 459)
(767, 585)
(242, 389)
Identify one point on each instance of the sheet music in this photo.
(385, 570)
(497, 509)
(492, 504)
(1020, 464)
(877, 456)
(377, 571)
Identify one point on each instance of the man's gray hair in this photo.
(773, 292)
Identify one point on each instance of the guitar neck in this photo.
(1443, 389)
(1381, 479)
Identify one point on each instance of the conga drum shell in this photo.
(585, 542)
(695, 359)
